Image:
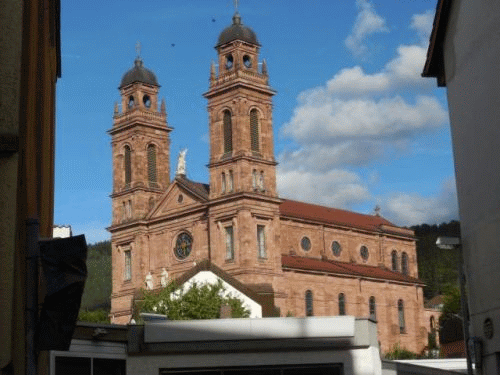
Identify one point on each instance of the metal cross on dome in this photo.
(138, 48)
(236, 3)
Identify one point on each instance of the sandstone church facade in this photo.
(305, 259)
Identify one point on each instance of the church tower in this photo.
(140, 146)
(244, 206)
(240, 117)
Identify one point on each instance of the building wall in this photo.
(471, 50)
(326, 289)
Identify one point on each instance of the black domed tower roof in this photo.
(139, 74)
(237, 31)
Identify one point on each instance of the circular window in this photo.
(183, 245)
(364, 253)
(131, 101)
(305, 243)
(147, 101)
(247, 61)
(336, 248)
(229, 61)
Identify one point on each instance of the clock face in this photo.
(183, 246)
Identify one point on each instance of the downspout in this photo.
(32, 255)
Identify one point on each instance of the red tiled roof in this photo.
(350, 269)
(196, 187)
(324, 214)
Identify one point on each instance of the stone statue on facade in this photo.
(181, 163)
(149, 281)
(164, 278)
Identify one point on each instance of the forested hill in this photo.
(437, 268)
(97, 292)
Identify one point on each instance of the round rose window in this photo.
(183, 245)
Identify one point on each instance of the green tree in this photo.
(437, 268)
(198, 302)
(94, 316)
(397, 352)
(452, 306)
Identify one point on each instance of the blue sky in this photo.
(355, 125)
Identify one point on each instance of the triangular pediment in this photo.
(182, 195)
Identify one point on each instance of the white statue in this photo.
(149, 281)
(164, 278)
(181, 163)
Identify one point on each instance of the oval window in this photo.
(364, 253)
(336, 248)
(305, 243)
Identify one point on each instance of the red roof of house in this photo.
(341, 268)
(329, 215)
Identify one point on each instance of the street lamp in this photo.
(448, 243)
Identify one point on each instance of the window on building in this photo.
(305, 243)
(254, 130)
(394, 258)
(363, 251)
(261, 180)
(372, 308)
(129, 209)
(230, 184)
(223, 182)
(228, 132)
(401, 316)
(336, 248)
(229, 243)
(254, 179)
(342, 310)
(128, 165)
(127, 270)
(404, 263)
(309, 303)
(151, 151)
(261, 241)
(88, 365)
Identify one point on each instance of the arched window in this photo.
(128, 165)
(254, 130)
(373, 308)
(254, 179)
(152, 165)
(401, 316)
(230, 185)
(404, 263)
(223, 182)
(261, 181)
(228, 132)
(309, 303)
(341, 304)
(394, 257)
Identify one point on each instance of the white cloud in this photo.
(367, 22)
(412, 209)
(359, 117)
(335, 119)
(422, 23)
(336, 188)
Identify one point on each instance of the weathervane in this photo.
(138, 49)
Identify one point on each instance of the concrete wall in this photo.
(472, 47)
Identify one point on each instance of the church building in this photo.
(303, 259)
